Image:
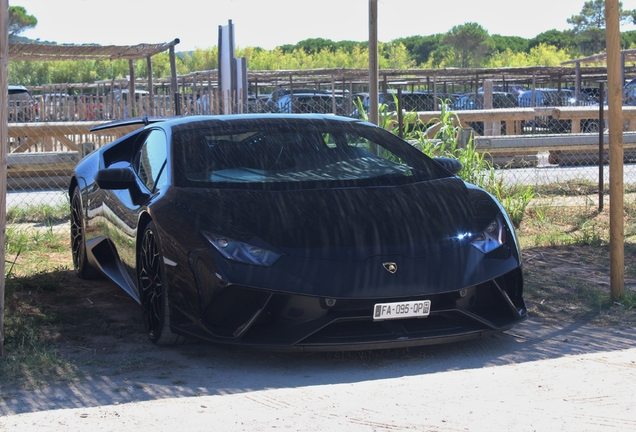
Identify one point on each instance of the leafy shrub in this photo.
(475, 168)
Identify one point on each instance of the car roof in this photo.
(310, 94)
(17, 88)
(228, 119)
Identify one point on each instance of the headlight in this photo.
(492, 237)
(241, 252)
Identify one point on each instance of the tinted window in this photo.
(150, 160)
(314, 156)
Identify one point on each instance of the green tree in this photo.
(588, 25)
(395, 56)
(546, 55)
(20, 21)
(561, 39)
(592, 15)
(628, 39)
(310, 46)
(591, 41)
(420, 48)
(507, 58)
(513, 43)
(471, 44)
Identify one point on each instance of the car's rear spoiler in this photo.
(129, 122)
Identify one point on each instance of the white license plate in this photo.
(397, 310)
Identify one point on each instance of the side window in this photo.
(150, 160)
(329, 140)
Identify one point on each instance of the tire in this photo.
(591, 127)
(153, 289)
(78, 242)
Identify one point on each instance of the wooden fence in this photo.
(43, 154)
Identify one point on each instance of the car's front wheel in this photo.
(78, 242)
(154, 290)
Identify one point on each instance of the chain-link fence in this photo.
(546, 142)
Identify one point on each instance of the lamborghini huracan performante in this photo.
(293, 232)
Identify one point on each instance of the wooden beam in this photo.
(151, 89)
(174, 88)
(4, 117)
(132, 100)
(615, 105)
(373, 61)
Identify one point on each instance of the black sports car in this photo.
(306, 232)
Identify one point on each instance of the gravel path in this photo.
(533, 378)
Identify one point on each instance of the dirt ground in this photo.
(534, 378)
(573, 374)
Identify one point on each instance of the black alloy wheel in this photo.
(78, 243)
(153, 289)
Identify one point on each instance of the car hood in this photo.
(343, 223)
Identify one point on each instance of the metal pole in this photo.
(577, 84)
(615, 108)
(373, 61)
(601, 134)
(400, 113)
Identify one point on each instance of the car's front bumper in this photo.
(279, 321)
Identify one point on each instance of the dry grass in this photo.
(565, 243)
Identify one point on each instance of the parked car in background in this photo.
(547, 97)
(293, 232)
(56, 107)
(255, 104)
(89, 106)
(300, 103)
(589, 93)
(472, 101)
(629, 93)
(22, 105)
(515, 89)
(552, 97)
(272, 101)
(119, 100)
(411, 101)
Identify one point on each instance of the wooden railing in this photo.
(44, 154)
(513, 117)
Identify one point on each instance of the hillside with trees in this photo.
(468, 45)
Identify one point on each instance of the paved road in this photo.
(36, 197)
(533, 378)
(542, 174)
(545, 174)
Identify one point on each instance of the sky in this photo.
(271, 23)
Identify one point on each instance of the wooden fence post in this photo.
(4, 118)
(615, 108)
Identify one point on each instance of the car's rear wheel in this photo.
(591, 127)
(154, 290)
(78, 242)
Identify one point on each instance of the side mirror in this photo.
(452, 165)
(115, 178)
(121, 179)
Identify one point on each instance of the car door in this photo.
(148, 163)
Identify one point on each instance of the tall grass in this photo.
(40, 213)
(445, 132)
(31, 358)
(475, 168)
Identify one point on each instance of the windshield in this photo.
(297, 157)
